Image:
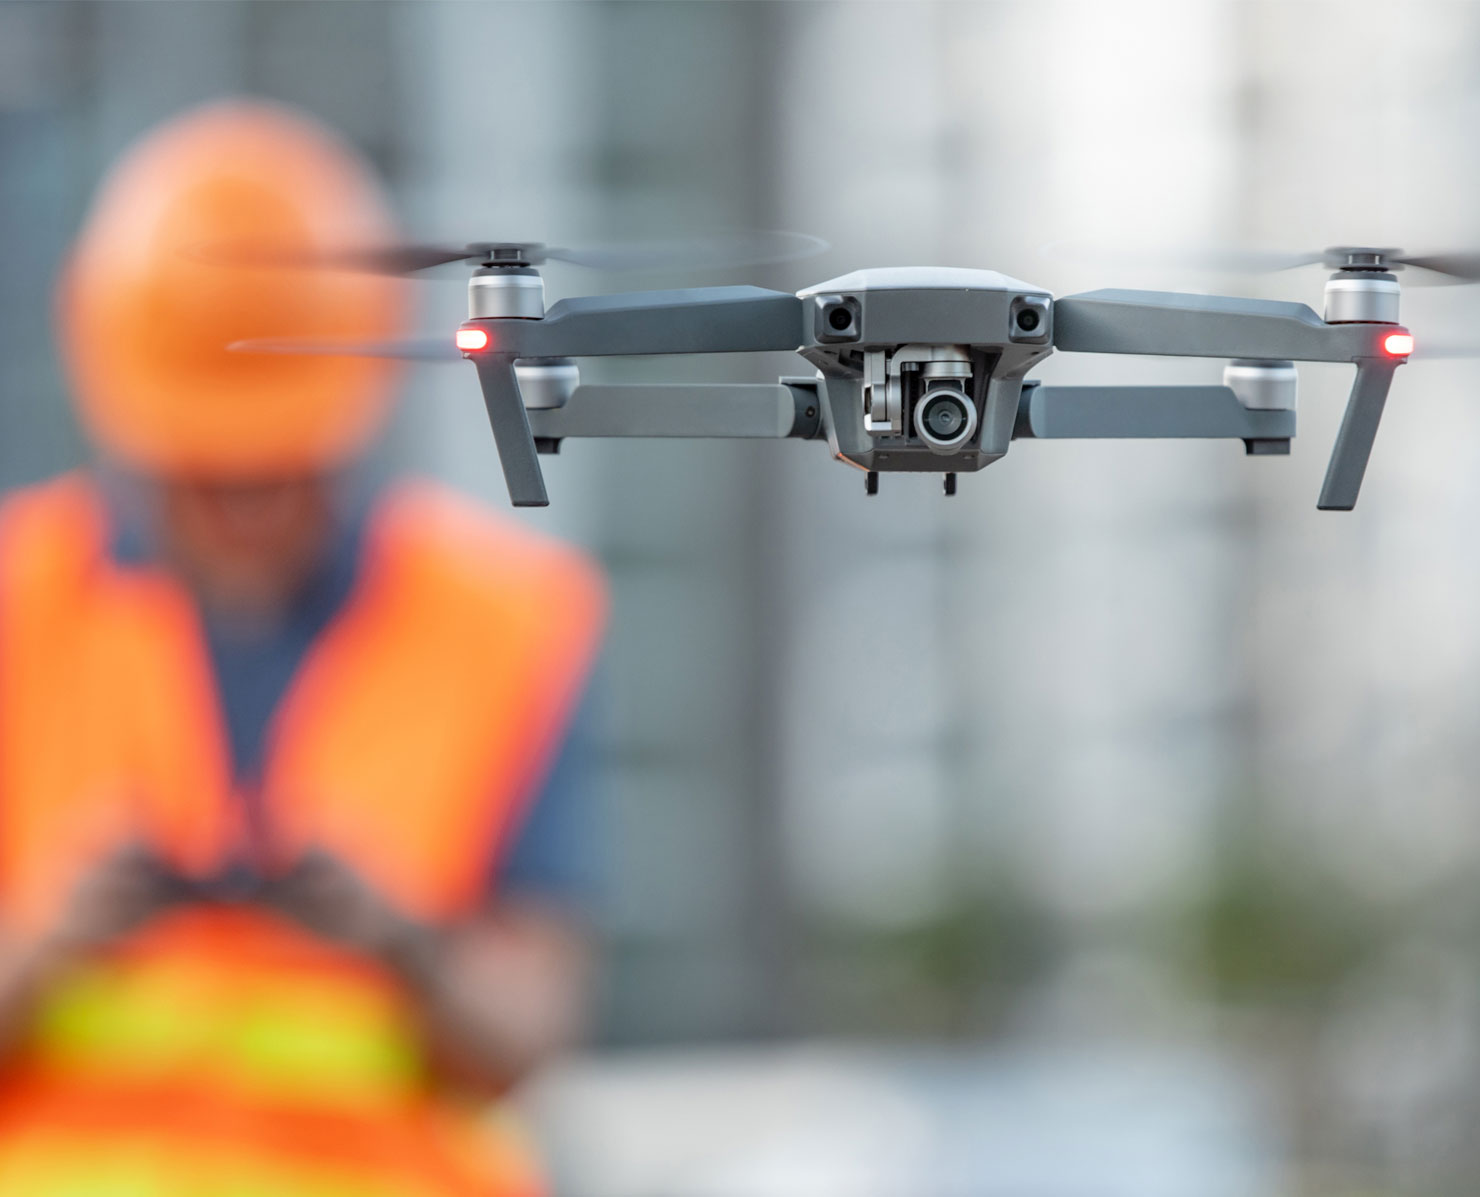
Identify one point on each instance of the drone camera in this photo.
(1028, 319)
(945, 417)
(836, 318)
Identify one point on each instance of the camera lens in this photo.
(840, 319)
(944, 419)
(1027, 320)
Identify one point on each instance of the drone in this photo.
(914, 369)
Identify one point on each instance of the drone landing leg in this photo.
(516, 449)
(1358, 430)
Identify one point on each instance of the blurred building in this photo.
(1121, 738)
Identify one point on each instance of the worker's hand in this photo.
(333, 901)
(110, 899)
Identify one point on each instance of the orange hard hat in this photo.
(184, 252)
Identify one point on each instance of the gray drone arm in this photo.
(1149, 412)
(1177, 325)
(757, 411)
(699, 320)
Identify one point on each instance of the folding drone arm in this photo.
(790, 409)
(1177, 325)
(1149, 412)
(696, 320)
(757, 411)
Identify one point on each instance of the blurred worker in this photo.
(267, 752)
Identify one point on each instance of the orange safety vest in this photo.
(221, 1051)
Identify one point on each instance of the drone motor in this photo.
(506, 292)
(1262, 385)
(1363, 288)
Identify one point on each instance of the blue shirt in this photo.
(549, 857)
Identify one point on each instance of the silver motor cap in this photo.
(1355, 297)
(1262, 385)
(547, 382)
(505, 292)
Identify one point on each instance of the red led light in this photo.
(469, 340)
(1397, 344)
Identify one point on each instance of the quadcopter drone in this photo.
(916, 369)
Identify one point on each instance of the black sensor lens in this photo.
(840, 319)
(1027, 319)
(944, 417)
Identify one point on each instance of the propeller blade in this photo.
(1254, 261)
(1457, 265)
(1463, 265)
(711, 252)
(1444, 350)
(1220, 259)
(368, 259)
(394, 259)
(416, 349)
(719, 251)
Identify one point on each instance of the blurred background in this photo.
(1107, 829)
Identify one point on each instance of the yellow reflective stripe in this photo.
(290, 1036)
(45, 1164)
(311, 1036)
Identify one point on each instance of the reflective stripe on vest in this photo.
(417, 725)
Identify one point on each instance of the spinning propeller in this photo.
(1455, 266)
(723, 251)
(1462, 266)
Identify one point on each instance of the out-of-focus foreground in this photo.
(1109, 828)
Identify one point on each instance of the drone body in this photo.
(915, 369)
(933, 359)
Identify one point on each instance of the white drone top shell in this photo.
(922, 278)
